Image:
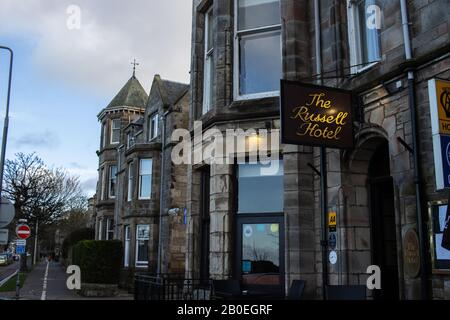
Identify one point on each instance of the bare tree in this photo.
(39, 192)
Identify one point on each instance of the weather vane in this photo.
(134, 63)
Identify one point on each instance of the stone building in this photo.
(137, 183)
(268, 229)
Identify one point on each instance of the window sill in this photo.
(256, 96)
(263, 101)
(359, 71)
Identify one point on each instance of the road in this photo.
(6, 271)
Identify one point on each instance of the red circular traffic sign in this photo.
(23, 231)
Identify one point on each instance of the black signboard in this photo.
(316, 115)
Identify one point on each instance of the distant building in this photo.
(137, 184)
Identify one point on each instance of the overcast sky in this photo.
(64, 75)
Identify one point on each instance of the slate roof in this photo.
(170, 91)
(131, 95)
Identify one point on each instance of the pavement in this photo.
(47, 281)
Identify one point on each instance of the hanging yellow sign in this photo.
(332, 219)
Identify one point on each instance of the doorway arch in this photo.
(382, 223)
(369, 220)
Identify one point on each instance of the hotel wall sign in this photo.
(439, 95)
(316, 115)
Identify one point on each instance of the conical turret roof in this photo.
(131, 95)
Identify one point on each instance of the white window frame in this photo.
(208, 64)
(139, 263)
(109, 224)
(130, 190)
(131, 140)
(114, 128)
(236, 60)
(100, 229)
(102, 184)
(140, 178)
(153, 127)
(104, 134)
(127, 245)
(110, 179)
(354, 39)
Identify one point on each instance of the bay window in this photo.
(257, 51)
(208, 62)
(145, 178)
(130, 182)
(115, 131)
(109, 229)
(102, 184)
(126, 255)
(142, 240)
(364, 35)
(112, 181)
(104, 135)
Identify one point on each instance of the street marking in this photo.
(44, 285)
(2, 282)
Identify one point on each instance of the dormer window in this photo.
(131, 140)
(115, 131)
(153, 126)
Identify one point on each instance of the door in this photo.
(260, 251)
(383, 227)
(259, 260)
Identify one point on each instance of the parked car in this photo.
(5, 259)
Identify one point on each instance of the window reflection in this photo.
(260, 253)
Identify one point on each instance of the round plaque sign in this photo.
(411, 253)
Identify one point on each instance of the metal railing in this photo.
(170, 287)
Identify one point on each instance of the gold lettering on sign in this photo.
(316, 117)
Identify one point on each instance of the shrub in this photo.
(99, 261)
(74, 237)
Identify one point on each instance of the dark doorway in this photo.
(205, 223)
(383, 228)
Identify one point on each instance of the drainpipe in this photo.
(413, 112)
(161, 190)
(323, 156)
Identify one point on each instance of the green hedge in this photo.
(99, 261)
(74, 237)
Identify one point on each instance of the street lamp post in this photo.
(6, 124)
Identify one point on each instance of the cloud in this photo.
(112, 33)
(76, 165)
(46, 139)
(89, 186)
(88, 177)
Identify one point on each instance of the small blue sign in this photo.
(20, 249)
(185, 216)
(246, 266)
